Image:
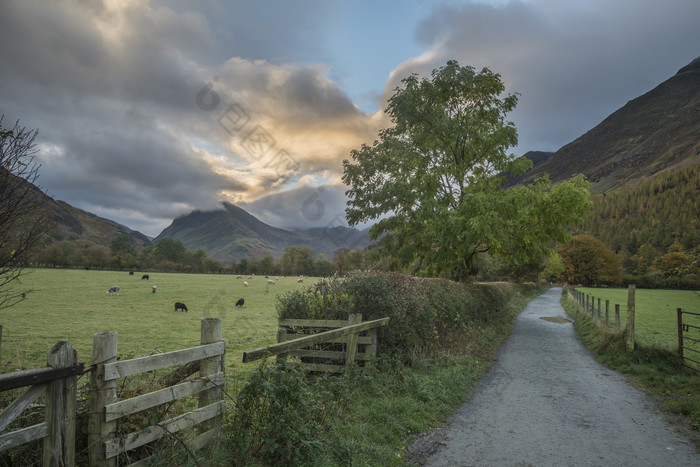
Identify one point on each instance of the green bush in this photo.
(428, 316)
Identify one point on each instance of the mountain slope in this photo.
(655, 132)
(233, 233)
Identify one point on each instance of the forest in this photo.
(645, 222)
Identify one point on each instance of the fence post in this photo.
(586, 304)
(630, 317)
(600, 316)
(59, 444)
(607, 312)
(351, 346)
(617, 316)
(104, 350)
(210, 333)
(679, 313)
(0, 342)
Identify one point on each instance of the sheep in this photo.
(240, 302)
(270, 281)
(250, 277)
(131, 273)
(145, 277)
(154, 289)
(239, 277)
(180, 306)
(300, 280)
(114, 290)
(245, 283)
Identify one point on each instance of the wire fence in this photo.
(655, 315)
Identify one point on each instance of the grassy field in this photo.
(73, 305)
(655, 311)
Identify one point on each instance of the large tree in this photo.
(23, 220)
(435, 179)
(588, 261)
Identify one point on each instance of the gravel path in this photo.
(546, 401)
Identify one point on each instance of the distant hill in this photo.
(656, 132)
(73, 224)
(233, 233)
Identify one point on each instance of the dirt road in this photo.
(547, 402)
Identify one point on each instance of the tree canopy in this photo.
(434, 180)
(588, 261)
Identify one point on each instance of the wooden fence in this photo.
(686, 343)
(338, 345)
(588, 303)
(59, 381)
(58, 429)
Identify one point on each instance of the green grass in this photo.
(656, 321)
(72, 305)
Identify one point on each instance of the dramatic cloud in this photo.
(147, 110)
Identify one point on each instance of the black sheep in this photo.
(180, 306)
(240, 302)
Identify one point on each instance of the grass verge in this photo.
(655, 370)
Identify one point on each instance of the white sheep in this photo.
(270, 281)
(245, 283)
(300, 280)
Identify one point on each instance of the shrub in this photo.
(428, 316)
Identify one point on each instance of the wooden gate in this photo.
(324, 345)
(689, 339)
(59, 381)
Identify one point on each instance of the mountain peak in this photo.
(233, 233)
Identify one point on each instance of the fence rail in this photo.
(59, 382)
(344, 340)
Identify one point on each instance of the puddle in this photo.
(556, 319)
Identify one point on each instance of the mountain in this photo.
(656, 132)
(233, 233)
(73, 224)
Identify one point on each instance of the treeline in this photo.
(170, 255)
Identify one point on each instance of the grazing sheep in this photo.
(250, 277)
(270, 281)
(113, 290)
(180, 306)
(131, 273)
(245, 283)
(300, 280)
(240, 302)
(239, 277)
(276, 278)
(154, 289)
(145, 276)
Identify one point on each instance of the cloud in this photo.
(114, 89)
(573, 63)
(147, 110)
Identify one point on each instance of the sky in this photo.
(147, 110)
